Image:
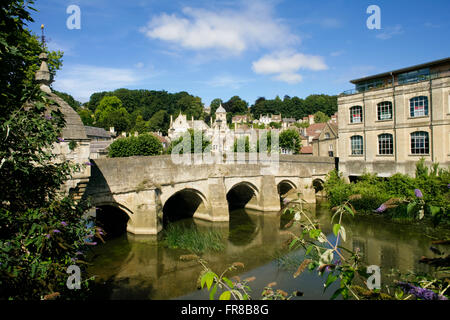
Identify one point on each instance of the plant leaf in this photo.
(225, 295)
(336, 228)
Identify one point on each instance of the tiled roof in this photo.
(306, 150)
(315, 129)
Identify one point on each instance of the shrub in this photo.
(143, 145)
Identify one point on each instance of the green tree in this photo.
(290, 139)
(140, 126)
(159, 122)
(41, 232)
(76, 105)
(111, 113)
(320, 117)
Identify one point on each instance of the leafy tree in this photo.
(159, 122)
(41, 232)
(276, 125)
(290, 139)
(111, 113)
(320, 117)
(140, 126)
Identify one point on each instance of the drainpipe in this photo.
(394, 114)
(430, 109)
(364, 128)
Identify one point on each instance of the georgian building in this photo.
(391, 120)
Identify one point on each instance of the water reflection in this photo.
(139, 267)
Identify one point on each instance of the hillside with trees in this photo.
(148, 110)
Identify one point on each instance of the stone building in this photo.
(391, 120)
(325, 143)
(74, 144)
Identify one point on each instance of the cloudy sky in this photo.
(218, 49)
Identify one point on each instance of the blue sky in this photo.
(218, 49)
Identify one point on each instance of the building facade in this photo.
(391, 120)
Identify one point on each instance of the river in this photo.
(140, 267)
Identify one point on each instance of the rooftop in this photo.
(403, 70)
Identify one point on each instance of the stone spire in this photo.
(43, 76)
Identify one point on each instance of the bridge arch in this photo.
(317, 184)
(242, 194)
(112, 217)
(182, 204)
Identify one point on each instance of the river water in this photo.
(140, 267)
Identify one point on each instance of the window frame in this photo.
(383, 106)
(385, 144)
(414, 104)
(354, 108)
(417, 148)
(357, 147)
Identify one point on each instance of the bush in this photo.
(143, 145)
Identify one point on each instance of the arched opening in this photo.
(182, 205)
(111, 219)
(240, 195)
(285, 189)
(317, 185)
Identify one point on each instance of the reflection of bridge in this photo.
(153, 190)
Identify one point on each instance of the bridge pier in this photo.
(146, 208)
(269, 197)
(217, 200)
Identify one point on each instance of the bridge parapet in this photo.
(141, 186)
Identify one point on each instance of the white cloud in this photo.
(83, 80)
(285, 65)
(337, 53)
(389, 32)
(233, 31)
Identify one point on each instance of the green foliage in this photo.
(290, 139)
(295, 107)
(40, 231)
(320, 117)
(189, 238)
(395, 197)
(143, 145)
(111, 113)
(275, 125)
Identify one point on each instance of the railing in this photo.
(404, 81)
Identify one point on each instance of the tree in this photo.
(111, 113)
(140, 125)
(41, 232)
(159, 122)
(290, 140)
(320, 117)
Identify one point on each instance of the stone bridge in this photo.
(154, 190)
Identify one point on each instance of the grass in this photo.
(179, 236)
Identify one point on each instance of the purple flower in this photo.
(418, 193)
(382, 208)
(56, 231)
(88, 163)
(47, 236)
(448, 186)
(60, 139)
(48, 117)
(421, 293)
(64, 223)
